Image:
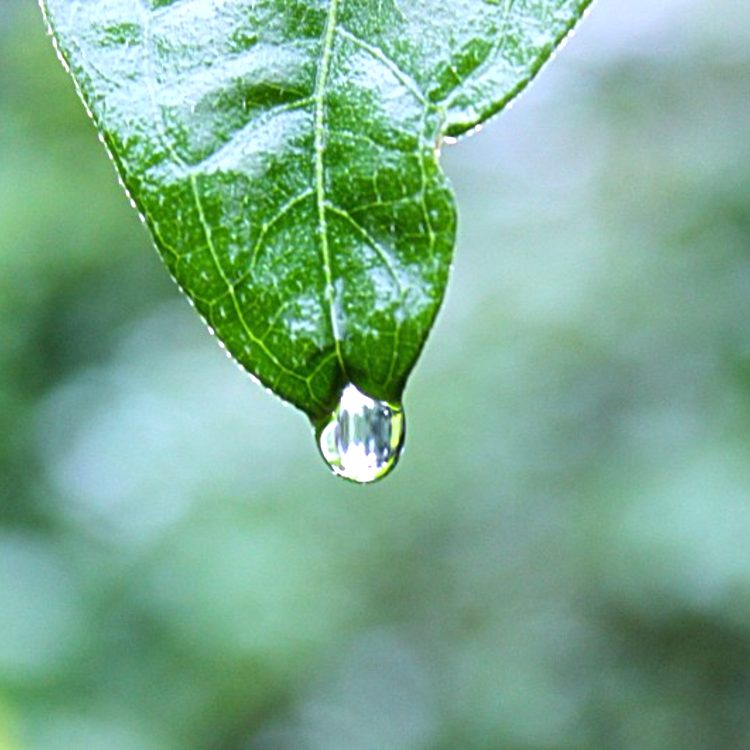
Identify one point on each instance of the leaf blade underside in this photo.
(284, 156)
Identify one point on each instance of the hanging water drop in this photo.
(364, 437)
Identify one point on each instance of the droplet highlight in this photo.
(363, 438)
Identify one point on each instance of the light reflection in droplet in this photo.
(364, 437)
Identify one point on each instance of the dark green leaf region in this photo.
(284, 155)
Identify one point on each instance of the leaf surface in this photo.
(285, 156)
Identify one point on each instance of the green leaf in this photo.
(285, 156)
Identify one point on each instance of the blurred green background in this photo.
(562, 559)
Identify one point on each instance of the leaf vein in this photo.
(200, 208)
(319, 95)
(379, 55)
(383, 255)
(492, 52)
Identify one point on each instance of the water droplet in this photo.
(364, 437)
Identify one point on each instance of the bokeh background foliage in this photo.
(562, 558)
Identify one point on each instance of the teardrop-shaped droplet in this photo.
(364, 437)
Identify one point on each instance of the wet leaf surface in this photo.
(285, 157)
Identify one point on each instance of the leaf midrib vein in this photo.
(319, 95)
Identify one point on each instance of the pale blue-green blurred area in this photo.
(562, 558)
